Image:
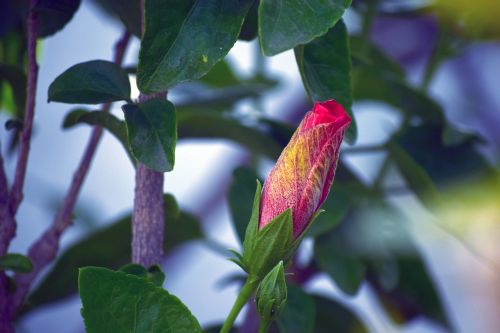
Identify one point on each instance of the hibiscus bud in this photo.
(303, 174)
(271, 294)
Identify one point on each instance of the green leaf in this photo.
(15, 262)
(271, 295)
(331, 316)
(120, 302)
(241, 193)
(325, 67)
(98, 118)
(52, 16)
(91, 82)
(183, 39)
(285, 24)
(335, 255)
(129, 13)
(109, 247)
(214, 125)
(299, 312)
(152, 133)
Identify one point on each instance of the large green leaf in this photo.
(91, 82)
(152, 133)
(325, 67)
(298, 313)
(108, 247)
(183, 39)
(120, 302)
(241, 194)
(332, 317)
(52, 15)
(286, 24)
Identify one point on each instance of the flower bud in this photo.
(271, 294)
(303, 174)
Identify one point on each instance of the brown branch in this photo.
(148, 221)
(44, 250)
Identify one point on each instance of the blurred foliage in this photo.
(108, 247)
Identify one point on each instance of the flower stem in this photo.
(264, 325)
(245, 293)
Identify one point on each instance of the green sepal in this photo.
(253, 224)
(263, 249)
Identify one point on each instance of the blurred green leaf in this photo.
(108, 247)
(184, 39)
(335, 255)
(240, 197)
(129, 13)
(152, 133)
(445, 164)
(374, 83)
(414, 295)
(416, 177)
(14, 77)
(120, 302)
(98, 118)
(250, 25)
(331, 317)
(52, 15)
(15, 262)
(214, 125)
(284, 25)
(365, 53)
(325, 67)
(221, 75)
(298, 315)
(91, 82)
(336, 206)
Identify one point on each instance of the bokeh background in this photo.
(455, 235)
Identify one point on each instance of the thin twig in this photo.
(16, 193)
(44, 250)
(5, 217)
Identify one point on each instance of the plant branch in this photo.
(5, 217)
(148, 219)
(44, 250)
(16, 194)
(245, 293)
